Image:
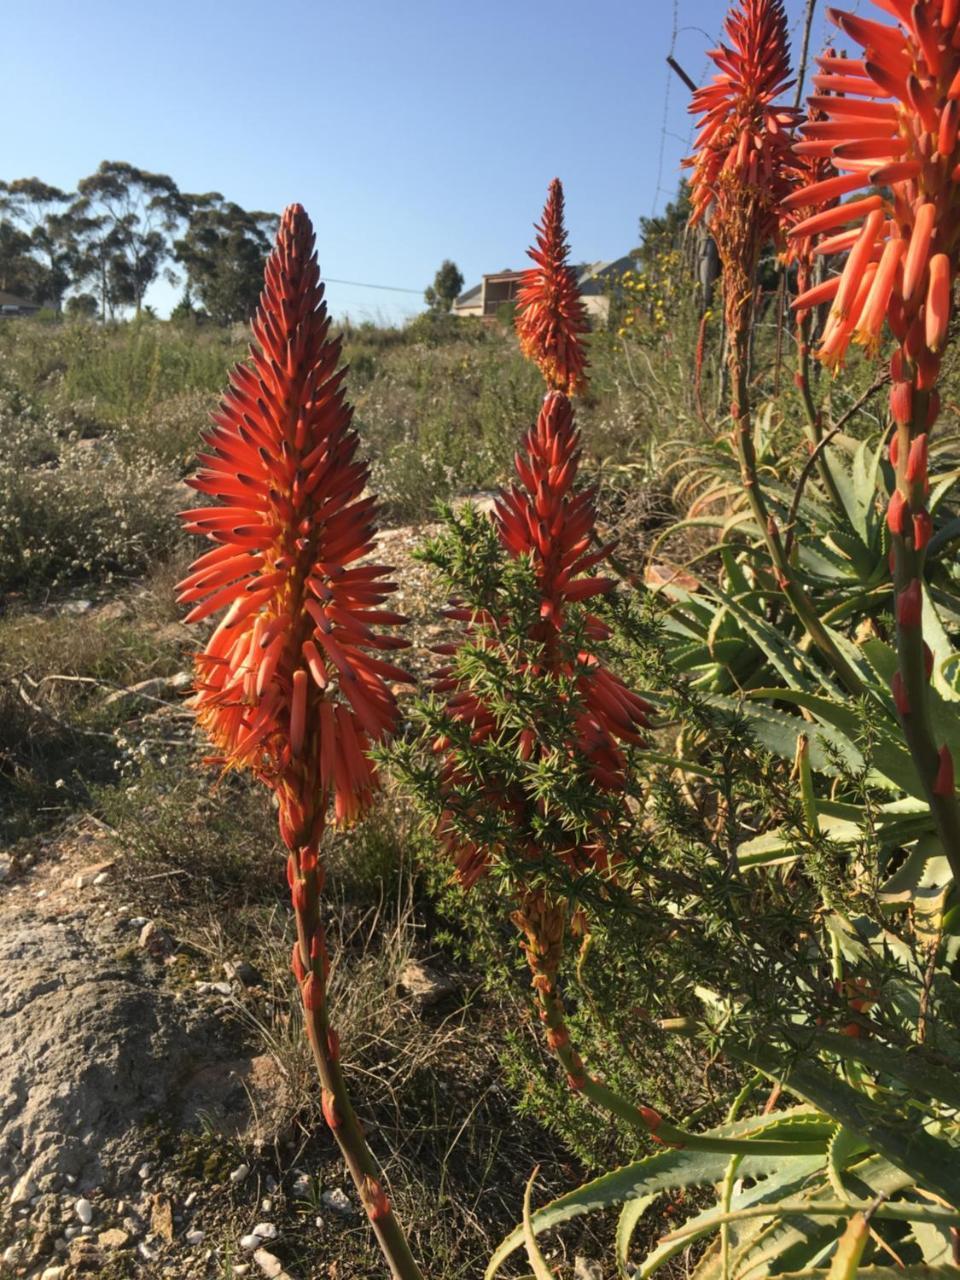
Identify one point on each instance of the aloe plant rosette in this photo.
(289, 684)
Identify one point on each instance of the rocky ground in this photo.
(157, 1109)
(110, 1042)
(155, 1105)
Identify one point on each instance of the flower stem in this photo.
(542, 954)
(800, 602)
(912, 655)
(338, 1110)
(815, 432)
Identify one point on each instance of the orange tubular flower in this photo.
(894, 129)
(545, 517)
(894, 133)
(551, 317)
(287, 685)
(741, 164)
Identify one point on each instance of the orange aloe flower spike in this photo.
(287, 685)
(290, 525)
(551, 317)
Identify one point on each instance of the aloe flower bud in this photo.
(551, 317)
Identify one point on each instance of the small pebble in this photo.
(191, 1199)
(194, 1237)
(144, 1172)
(338, 1200)
(239, 1173)
(266, 1205)
(269, 1264)
(249, 1242)
(265, 1230)
(84, 1211)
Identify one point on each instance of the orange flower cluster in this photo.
(890, 126)
(551, 317)
(808, 174)
(288, 685)
(742, 154)
(545, 517)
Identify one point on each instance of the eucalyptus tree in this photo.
(223, 249)
(127, 217)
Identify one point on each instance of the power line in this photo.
(360, 284)
(666, 108)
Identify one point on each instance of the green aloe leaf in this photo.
(918, 1272)
(676, 1168)
(539, 1263)
(932, 1162)
(793, 1175)
(844, 1147)
(908, 1066)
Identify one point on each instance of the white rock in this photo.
(84, 1211)
(144, 1172)
(191, 1199)
(249, 1242)
(266, 1205)
(194, 1237)
(338, 1200)
(101, 877)
(24, 1191)
(265, 1230)
(146, 1252)
(269, 1264)
(53, 1273)
(239, 1173)
(301, 1186)
(137, 922)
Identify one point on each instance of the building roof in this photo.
(470, 295)
(592, 278)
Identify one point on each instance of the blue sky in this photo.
(412, 130)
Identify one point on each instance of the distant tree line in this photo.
(96, 251)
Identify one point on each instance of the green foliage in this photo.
(223, 250)
(72, 508)
(447, 283)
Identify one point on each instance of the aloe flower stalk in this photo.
(893, 134)
(821, 186)
(289, 685)
(551, 317)
(545, 517)
(741, 174)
